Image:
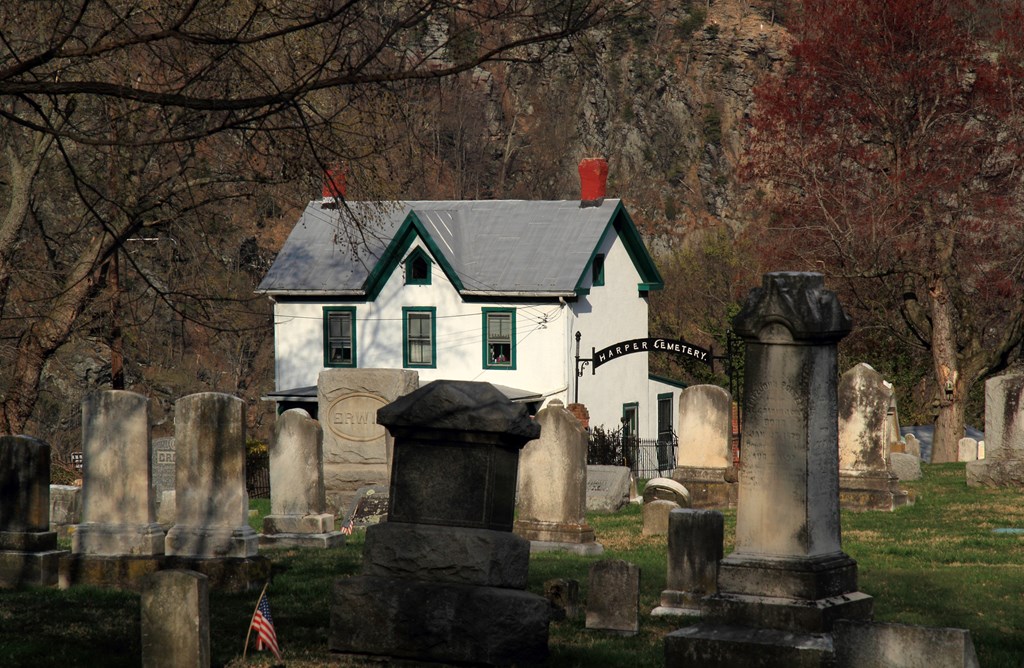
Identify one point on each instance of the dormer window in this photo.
(417, 268)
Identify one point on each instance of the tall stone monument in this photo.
(298, 509)
(704, 456)
(788, 579)
(118, 542)
(356, 447)
(28, 549)
(211, 534)
(552, 496)
(1003, 465)
(444, 578)
(866, 480)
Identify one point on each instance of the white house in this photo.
(491, 291)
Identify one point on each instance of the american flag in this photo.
(346, 528)
(263, 624)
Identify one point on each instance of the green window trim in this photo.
(499, 338)
(418, 268)
(669, 417)
(340, 336)
(631, 416)
(597, 270)
(419, 337)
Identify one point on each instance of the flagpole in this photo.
(249, 632)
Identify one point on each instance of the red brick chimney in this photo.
(593, 181)
(334, 185)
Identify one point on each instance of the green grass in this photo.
(935, 563)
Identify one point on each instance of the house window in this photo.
(339, 336)
(419, 336)
(598, 270)
(417, 268)
(499, 338)
(665, 430)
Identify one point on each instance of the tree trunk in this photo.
(952, 385)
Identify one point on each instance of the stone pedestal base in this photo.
(432, 621)
(314, 540)
(708, 487)
(996, 473)
(795, 594)
(711, 646)
(871, 492)
(233, 575)
(116, 540)
(678, 603)
(211, 542)
(274, 524)
(100, 571)
(19, 569)
(557, 537)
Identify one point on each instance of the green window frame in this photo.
(340, 336)
(499, 339)
(666, 416)
(418, 268)
(630, 420)
(597, 270)
(419, 337)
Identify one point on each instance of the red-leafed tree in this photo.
(889, 156)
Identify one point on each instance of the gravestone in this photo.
(65, 509)
(211, 533)
(704, 457)
(175, 620)
(981, 449)
(1003, 465)
(28, 549)
(163, 467)
(865, 433)
(655, 516)
(298, 508)
(666, 489)
(904, 466)
(607, 488)
(912, 445)
(552, 488)
(444, 578)
(368, 506)
(695, 546)
(564, 596)
(613, 597)
(967, 450)
(892, 418)
(166, 512)
(787, 580)
(118, 541)
(874, 645)
(356, 447)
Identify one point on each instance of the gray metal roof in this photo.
(496, 246)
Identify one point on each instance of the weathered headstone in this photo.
(981, 449)
(607, 487)
(118, 541)
(356, 447)
(788, 578)
(168, 506)
(874, 645)
(666, 489)
(913, 446)
(552, 488)
(613, 597)
(967, 450)
(655, 516)
(865, 433)
(368, 506)
(175, 620)
(298, 508)
(65, 508)
(163, 467)
(904, 466)
(564, 596)
(211, 533)
(444, 577)
(1003, 465)
(704, 457)
(695, 546)
(28, 549)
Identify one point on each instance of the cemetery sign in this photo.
(621, 348)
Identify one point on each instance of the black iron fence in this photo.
(650, 458)
(257, 475)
